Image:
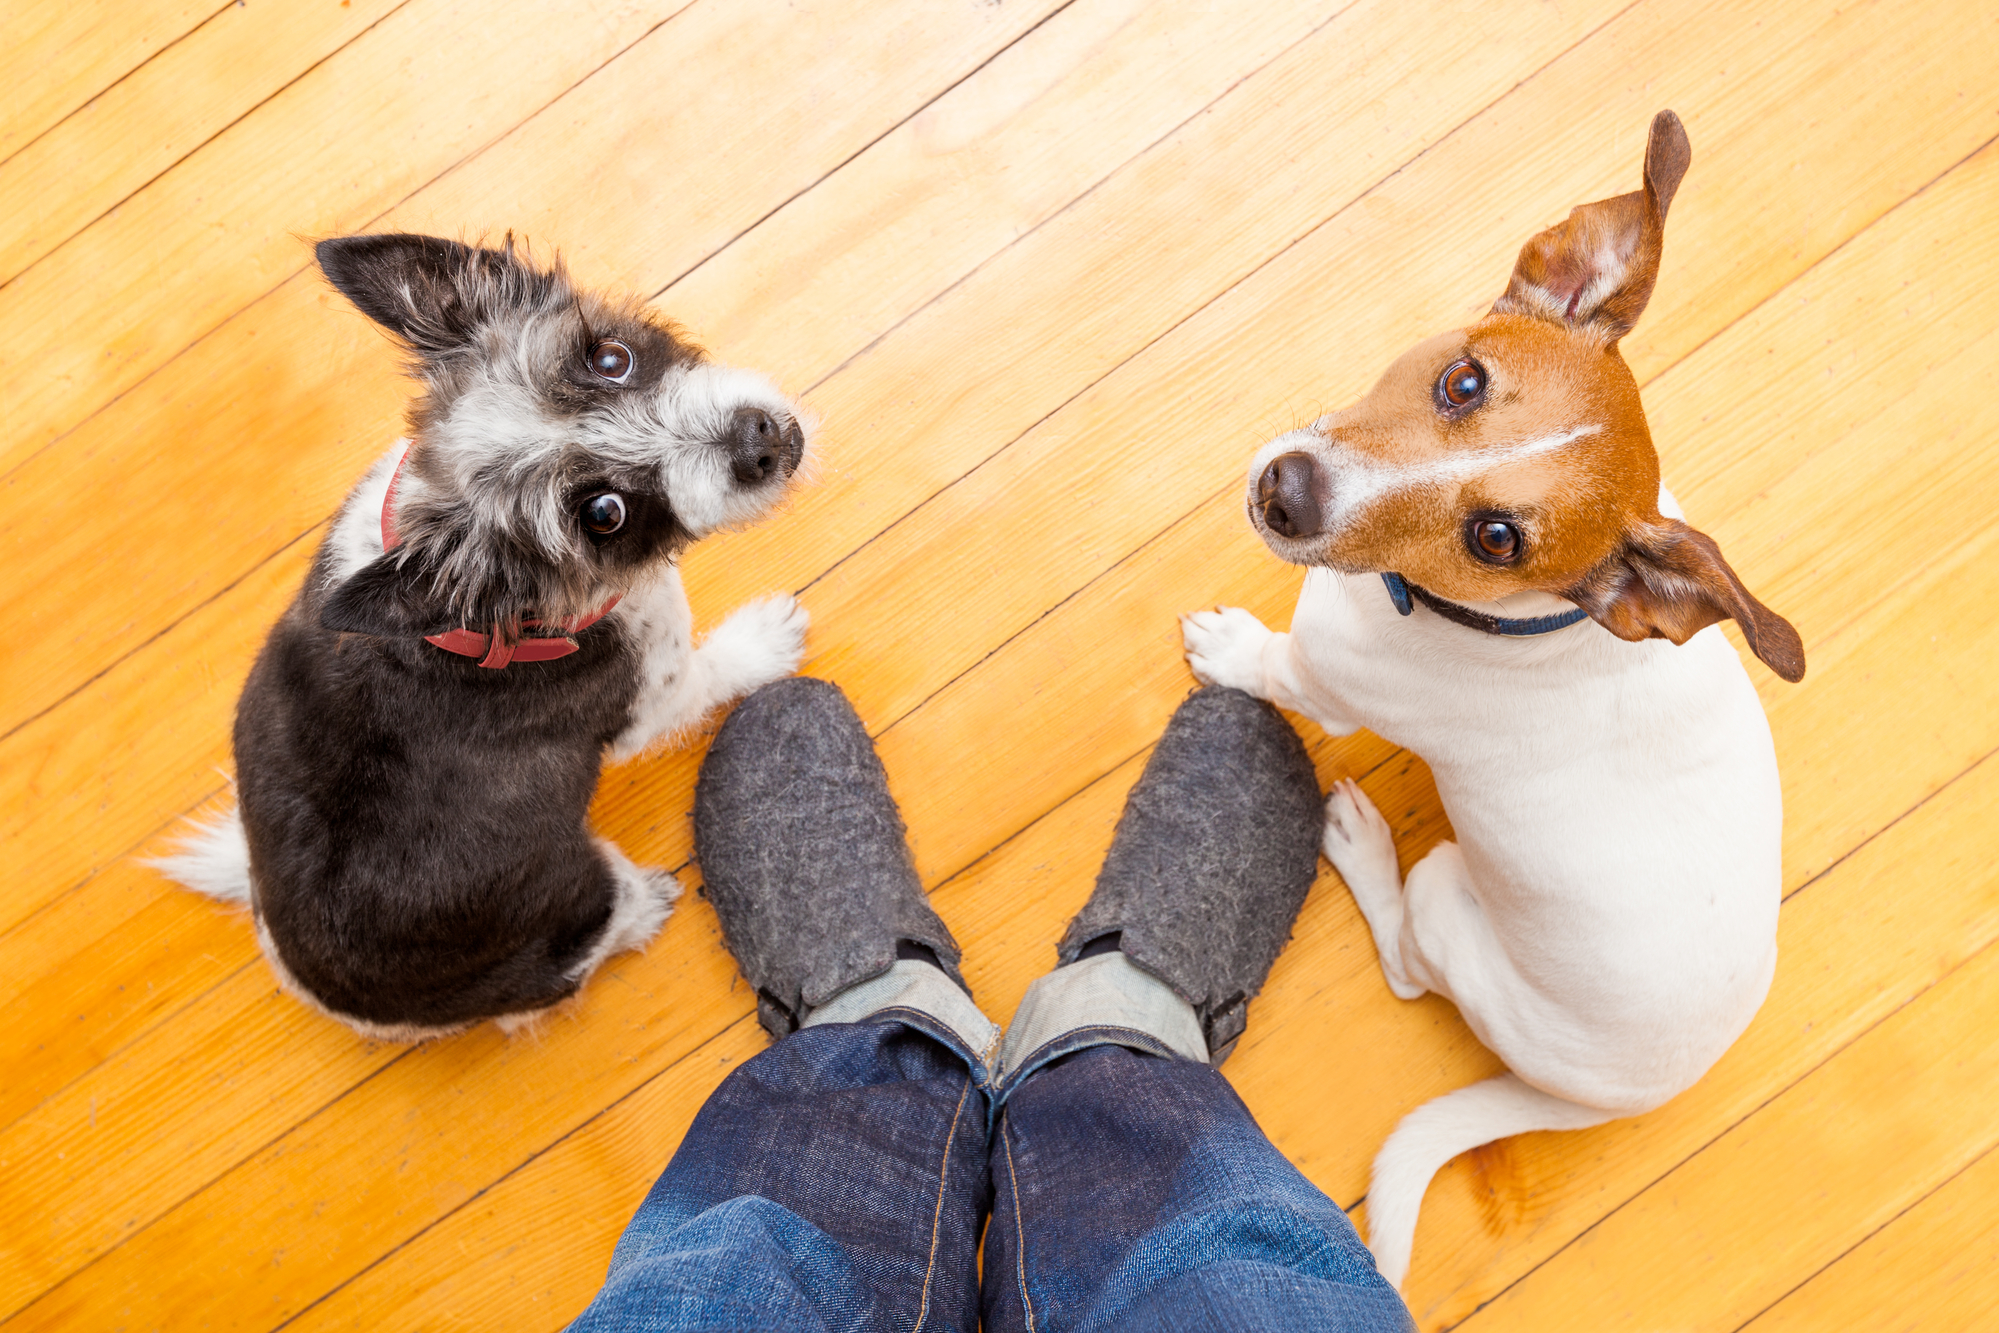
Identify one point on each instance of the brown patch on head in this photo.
(1554, 446)
(1514, 455)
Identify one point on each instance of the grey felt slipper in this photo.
(803, 854)
(1213, 856)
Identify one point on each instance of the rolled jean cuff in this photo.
(916, 988)
(1103, 1001)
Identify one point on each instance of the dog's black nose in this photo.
(1285, 492)
(759, 447)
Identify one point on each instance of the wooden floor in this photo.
(1048, 272)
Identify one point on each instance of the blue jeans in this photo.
(840, 1181)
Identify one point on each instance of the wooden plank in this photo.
(480, 1269)
(222, 228)
(118, 763)
(141, 126)
(293, 454)
(1930, 1270)
(1787, 1190)
(57, 57)
(88, 1168)
(106, 1157)
(100, 967)
(1044, 122)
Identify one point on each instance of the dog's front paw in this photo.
(760, 642)
(1225, 647)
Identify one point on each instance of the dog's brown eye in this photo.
(1463, 384)
(1495, 542)
(603, 514)
(612, 360)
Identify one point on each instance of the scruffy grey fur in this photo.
(1213, 856)
(803, 853)
(410, 831)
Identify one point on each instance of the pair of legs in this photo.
(844, 1179)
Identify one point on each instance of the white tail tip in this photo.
(214, 858)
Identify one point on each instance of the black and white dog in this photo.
(496, 608)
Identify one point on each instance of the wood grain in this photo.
(1830, 1159)
(57, 57)
(338, 404)
(1049, 272)
(1929, 1269)
(166, 109)
(398, 87)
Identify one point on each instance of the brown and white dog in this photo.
(1499, 583)
(497, 608)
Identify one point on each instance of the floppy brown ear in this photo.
(1596, 269)
(1670, 582)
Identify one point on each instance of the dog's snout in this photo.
(759, 446)
(1284, 491)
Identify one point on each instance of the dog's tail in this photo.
(214, 858)
(1439, 1130)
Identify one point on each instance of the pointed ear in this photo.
(388, 599)
(1596, 269)
(1669, 582)
(430, 292)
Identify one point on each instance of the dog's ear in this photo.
(1668, 581)
(388, 598)
(430, 292)
(1595, 271)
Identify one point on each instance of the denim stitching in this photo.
(937, 1219)
(936, 1028)
(1081, 1039)
(1019, 1236)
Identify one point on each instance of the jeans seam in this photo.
(937, 1219)
(1019, 1233)
(937, 1030)
(1067, 1043)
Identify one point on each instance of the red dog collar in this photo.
(492, 648)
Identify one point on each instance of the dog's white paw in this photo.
(1361, 847)
(760, 642)
(1359, 844)
(1225, 647)
(642, 911)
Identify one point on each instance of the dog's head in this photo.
(565, 444)
(1514, 455)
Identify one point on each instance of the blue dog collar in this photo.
(1401, 592)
